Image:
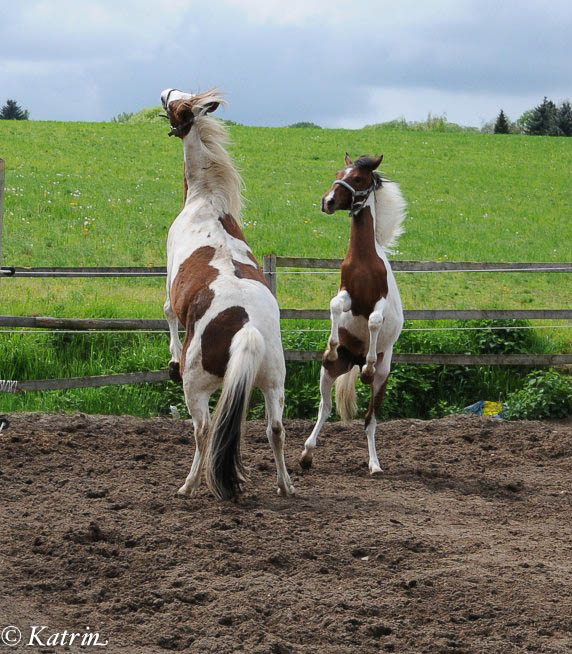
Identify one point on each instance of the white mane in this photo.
(390, 212)
(223, 180)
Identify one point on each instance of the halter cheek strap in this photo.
(359, 198)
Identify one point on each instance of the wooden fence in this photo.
(273, 268)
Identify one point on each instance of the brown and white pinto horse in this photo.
(217, 291)
(366, 315)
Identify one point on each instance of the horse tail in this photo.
(346, 396)
(391, 209)
(223, 465)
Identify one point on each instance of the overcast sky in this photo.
(339, 64)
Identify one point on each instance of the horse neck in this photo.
(210, 175)
(362, 235)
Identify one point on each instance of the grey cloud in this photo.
(276, 74)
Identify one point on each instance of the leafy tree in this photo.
(543, 120)
(520, 123)
(12, 111)
(564, 119)
(502, 125)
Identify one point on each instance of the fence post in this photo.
(270, 271)
(1, 205)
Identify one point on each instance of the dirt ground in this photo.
(463, 546)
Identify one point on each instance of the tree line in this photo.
(546, 119)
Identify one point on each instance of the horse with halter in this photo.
(366, 315)
(217, 291)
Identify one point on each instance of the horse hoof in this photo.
(367, 378)
(375, 471)
(287, 491)
(174, 372)
(185, 492)
(305, 462)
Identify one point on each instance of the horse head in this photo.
(352, 185)
(183, 109)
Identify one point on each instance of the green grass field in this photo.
(105, 194)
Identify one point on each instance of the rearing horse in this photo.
(366, 315)
(217, 291)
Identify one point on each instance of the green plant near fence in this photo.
(422, 391)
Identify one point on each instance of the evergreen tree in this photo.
(565, 118)
(502, 125)
(12, 111)
(543, 120)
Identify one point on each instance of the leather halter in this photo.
(359, 198)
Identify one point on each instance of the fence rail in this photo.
(272, 263)
(135, 324)
(154, 376)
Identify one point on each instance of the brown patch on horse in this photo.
(217, 337)
(364, 275)
(375, 403)
(190, 293)
(231, 227)
(354, 344)
(246, 271)
(351, 352)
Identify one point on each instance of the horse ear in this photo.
(377, 161)
(349, 162)
(209, 108)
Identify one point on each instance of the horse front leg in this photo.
(175, 345)
(342, 302)
(374, 323)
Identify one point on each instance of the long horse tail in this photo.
(390, 209)
(223, 465)
(346, 396)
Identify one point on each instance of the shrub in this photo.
(546, 394)
(305, 125)
(124, 117)
(153, 115)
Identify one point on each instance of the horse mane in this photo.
(223, 179)
(390, 212)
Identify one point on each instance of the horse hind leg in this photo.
(377, 394)
(274, 400)
(175, 345)
(198, 405)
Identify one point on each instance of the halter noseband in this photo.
(359, 198)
